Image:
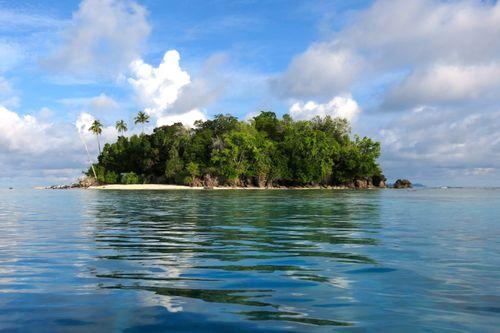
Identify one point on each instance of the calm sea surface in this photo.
(250, 261)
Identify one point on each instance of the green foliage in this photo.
(105, 176)
(121, 126)
(266, 150)
(130, 178)
(141, 118)
(192, 171)
(96, 128)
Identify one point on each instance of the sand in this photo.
(144, 187)
(183, 187)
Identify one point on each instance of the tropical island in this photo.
(263, 152)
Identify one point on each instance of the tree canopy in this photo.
(265, 151)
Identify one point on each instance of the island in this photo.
(263, 152)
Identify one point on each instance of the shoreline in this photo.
(157, 187)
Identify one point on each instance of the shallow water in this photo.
(250, 261)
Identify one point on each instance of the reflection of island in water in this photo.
(267, 256)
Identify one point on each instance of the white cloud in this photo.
(103, 38)
(401, 32)
(22, 133)
(157, 88)
(31, 146)
(323, 69)
(210, 82)
(394, 36)
(168, 93)
(340, 106)
(446, 84)
(103, 102)
(444, 138)
(83, 124)
(187, 118)
(435, 62)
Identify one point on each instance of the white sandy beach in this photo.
(165, 187)
(183, 187)
(144, 187)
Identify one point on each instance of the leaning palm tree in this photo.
(121, 127)
(96, 128)
(141, 118)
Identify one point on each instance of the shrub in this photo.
(130, 178)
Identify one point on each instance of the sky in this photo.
(420, 76)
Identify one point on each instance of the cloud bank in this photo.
(432, 70)
(104, 36)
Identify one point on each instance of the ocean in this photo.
(250, 260)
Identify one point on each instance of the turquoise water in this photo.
(250, 261)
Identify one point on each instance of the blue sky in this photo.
(421, 76)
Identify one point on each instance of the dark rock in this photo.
(363, 183)
(210, 182)
(259, 181)
(360, 183)
(87, 181)
(196, 183)
(402, 183)
(379, 181)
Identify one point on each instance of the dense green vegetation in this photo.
(265, 151)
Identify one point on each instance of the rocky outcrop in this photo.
(363, 183)
(259, 181)
(379, 181)
(402, 183)
(83, 182)
(196, 182)
(210, 182)
(86, 181)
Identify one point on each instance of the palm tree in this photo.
(121, 126)
(141, 118)
(96, 128)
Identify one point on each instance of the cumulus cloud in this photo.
(425, 139)
(436, 64)
(340, 106)
(324, 69)
(83, 124)
(205, 88)
(168, 93)
(104, 36)
(441, 84)
(27, 134)
(399, 32)
(31, 146)
(394, 36)
(21, 133)
(157, 88)
(187, 118)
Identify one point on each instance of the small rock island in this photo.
(402, 183)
